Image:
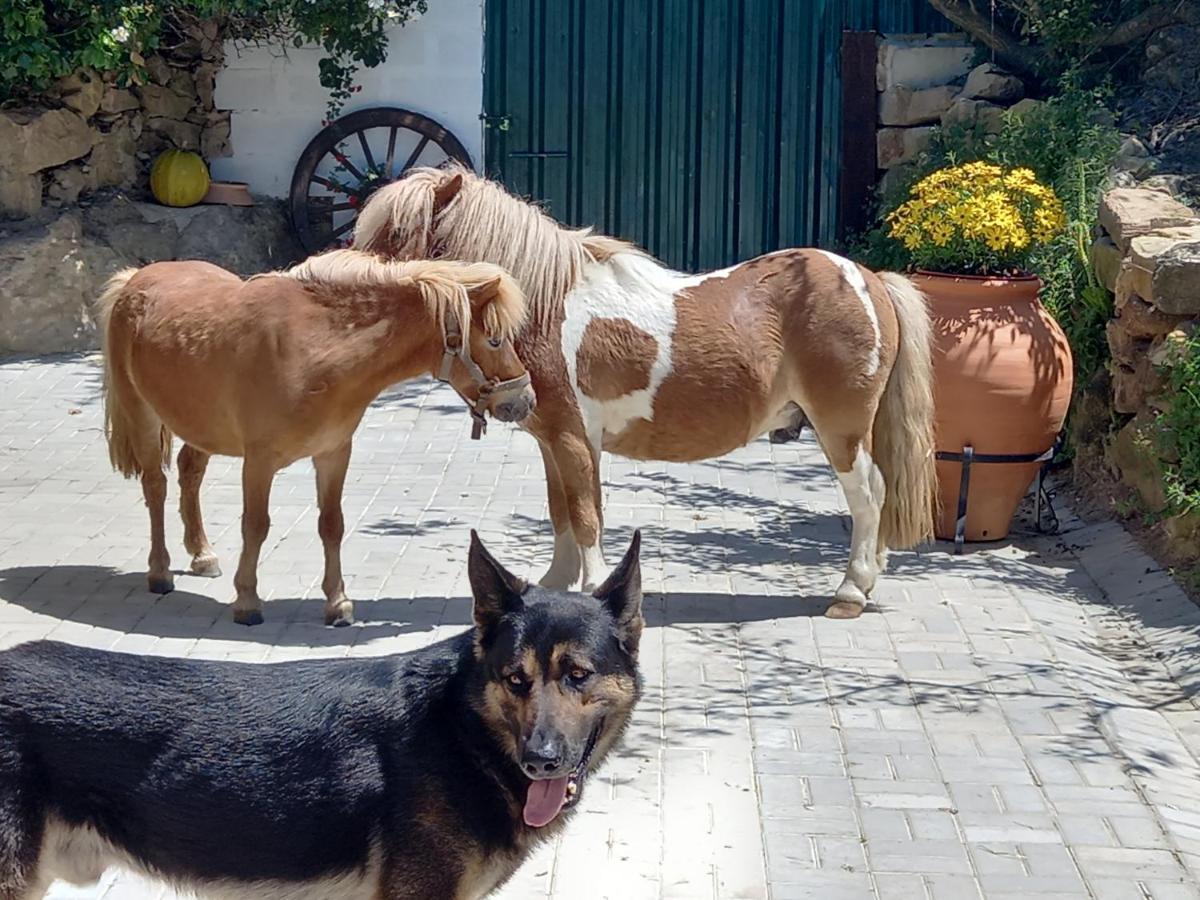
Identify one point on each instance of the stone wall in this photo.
(88, 132)
(53, 266)
(929, 80)
(1147, 253)
(75, 205)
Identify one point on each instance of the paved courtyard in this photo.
(1018, 722)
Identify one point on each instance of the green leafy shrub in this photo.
(1179, 427)
(41, 40)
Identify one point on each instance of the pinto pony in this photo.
(281, 367)
(631, 357)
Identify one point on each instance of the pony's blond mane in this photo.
(444, 285)
(481, 221)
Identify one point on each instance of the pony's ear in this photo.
(486, 291)
(621, 595)
(496, 590)
(446, 191)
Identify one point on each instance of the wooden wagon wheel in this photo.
(354, 156)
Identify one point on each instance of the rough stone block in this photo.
(68, 183)
(972, 112)
(158, 69)
(1026, 107)
(921, 63)
(1126, 347)
(903, 105)
(114, 158)
(896, 146)
(214, 140)
(183, 135)
(49, 277)
(117, 100)
(20, 194)
(162, 102)
(987, 82)
(1149, 252)
(1132, 453)
(1165, 350)
(81, 91)
(1106, 261)
(33, 140)
(50, 274)
(1140, 318)
(1126, 213)
(1176, 282)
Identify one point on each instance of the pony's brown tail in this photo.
(120, 395)
(903, 431)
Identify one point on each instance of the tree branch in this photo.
(1010, 52)
(1145, 23)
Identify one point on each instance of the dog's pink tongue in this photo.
(544, 800)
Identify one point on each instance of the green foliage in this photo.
(1071, 35)
(1069, 142)
(42, 40)
(1179, 427)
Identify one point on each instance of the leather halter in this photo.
(490, 389)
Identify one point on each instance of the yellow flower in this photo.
(987, 210)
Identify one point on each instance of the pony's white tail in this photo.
(120, 396)
(903, 431)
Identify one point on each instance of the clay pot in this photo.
(1003, 377)
(229, 193)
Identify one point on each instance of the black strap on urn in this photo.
(968, 457)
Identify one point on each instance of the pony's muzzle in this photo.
(515, 408)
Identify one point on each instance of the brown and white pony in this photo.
(282, 367)
(631, 357)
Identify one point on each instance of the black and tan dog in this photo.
(430, 774)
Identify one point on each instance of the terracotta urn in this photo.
(1003, 378)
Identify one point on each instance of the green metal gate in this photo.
(707, 131)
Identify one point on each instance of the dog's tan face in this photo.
(562, 674)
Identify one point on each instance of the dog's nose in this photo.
(541, 761)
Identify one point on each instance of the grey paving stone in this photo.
(1019, 721)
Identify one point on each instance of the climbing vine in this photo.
(41, 41)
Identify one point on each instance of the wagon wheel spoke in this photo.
(342, 229)
(416, 154)
(330, 185)
(344, 161)
(362, 141)
(391, 153)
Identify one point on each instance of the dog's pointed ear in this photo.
(621, 595)
(496, 590)
(446, 191)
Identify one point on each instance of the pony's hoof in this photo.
(248, 616)
(161, 584)
(206, 567)
(340, 614)
(843, 609)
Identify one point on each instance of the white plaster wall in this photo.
(434, 66)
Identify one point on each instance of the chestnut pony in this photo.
(281, 367)
(631, 357)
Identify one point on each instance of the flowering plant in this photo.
(977, 219)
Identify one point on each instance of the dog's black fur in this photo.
(390, 778)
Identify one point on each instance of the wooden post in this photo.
(859, 104)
